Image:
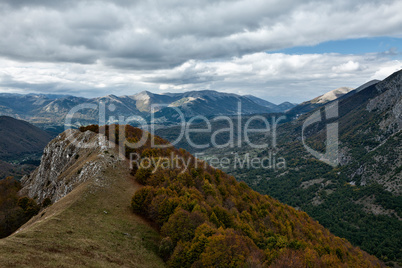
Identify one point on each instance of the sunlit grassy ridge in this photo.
(92, 226)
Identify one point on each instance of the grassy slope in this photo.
(90, 227)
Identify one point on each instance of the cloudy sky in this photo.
(284, 50)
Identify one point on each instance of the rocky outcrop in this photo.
(389, 103)
(70, 159)
(381, 164)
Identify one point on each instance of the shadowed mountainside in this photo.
(19, 137)
(359, 199)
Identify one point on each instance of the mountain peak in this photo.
(333, 94)
(144, 93)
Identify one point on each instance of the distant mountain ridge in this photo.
(321, 100)
(52, 109)
(282, 107)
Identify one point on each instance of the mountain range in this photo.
(51, 110)
(358, 198)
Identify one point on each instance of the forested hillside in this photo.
(208, 219)
(360, 199)
(15, 210)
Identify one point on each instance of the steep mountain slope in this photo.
(367, 84)
(87, 110)
(20, 138)
(308, 106)
(207, 217)
(92, 225)
(360, 199)
(208, 103)
(19, 106)
(146, 101)
(55, 110)
(332, 95)
(21, 146)
(123, 105)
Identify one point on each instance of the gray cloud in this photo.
(275, 77)
(91, 48)
(161, 34)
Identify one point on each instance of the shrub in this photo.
(141, 200)
(205, 229)
(47, 202)
(229, 249)
(166, 248)
(162, 207)
(142, 175)
(29, 206)
(179, 227)
(223, 216)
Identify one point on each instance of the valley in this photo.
(359, 199)
(186, 214)
(200, 134)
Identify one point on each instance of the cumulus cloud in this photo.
(276, 77)
(161, 34)
(99, 47)
(347, 67)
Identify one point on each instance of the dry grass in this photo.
(90, 227)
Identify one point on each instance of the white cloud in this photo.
(275, 77)
(93, 48)
(162, 34)
(386, 69)
(350, 66)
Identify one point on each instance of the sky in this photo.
(285, 50)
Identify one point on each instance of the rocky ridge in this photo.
(70, 159)
(390, 102)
